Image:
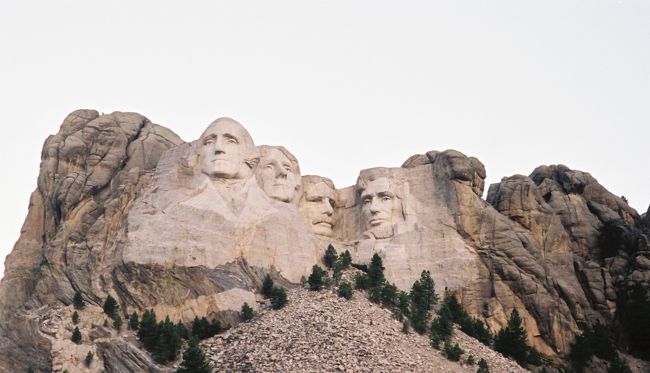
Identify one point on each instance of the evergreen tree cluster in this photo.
(247, 312)
(634, 315)
(469, 325)
(511, 341)
(595, 342)
(193, 359)
(163, 339)
(277, 294)
(423, 298)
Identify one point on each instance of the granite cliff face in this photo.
(125, 207)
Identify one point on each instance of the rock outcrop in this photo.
(125, 207)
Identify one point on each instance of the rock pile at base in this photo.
(320, 332)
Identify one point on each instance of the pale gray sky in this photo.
(344, 85)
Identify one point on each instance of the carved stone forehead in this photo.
(230, 126)
(267, 150)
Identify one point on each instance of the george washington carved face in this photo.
(226, 150)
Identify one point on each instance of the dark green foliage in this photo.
(376, 272)
(168, 342)
(78, 301)
(617, 365)
(596, 341)
(483, 366)
(134, 323)
(511, 340)
(470, 360)
(316, 278)
(215, 327)
(182, 331)
(247, 312)
(345, 260)
(405, 327)
(278, 298)
(404, 303)
(30, 370)
(76, 335)
(75, 318)
(89, 358)
(471, 326)
(374, 294)
(360, 267)
(361, 281)
(193, 359)
(117, 322)
(110, 306)
(634, 314)
(345, 290)
(423, 291)
(617, 235)
(452, 352)
(147, 333)
(105, 323)
(267, 286)
(389, 295)
(441, 327)
(330, 256)
(477, 329)
(337, 272)
(423, 297)
(419, 319)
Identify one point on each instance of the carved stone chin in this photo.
(278, 173)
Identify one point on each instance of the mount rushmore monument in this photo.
(125, 207)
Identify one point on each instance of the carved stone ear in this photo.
(252, 162)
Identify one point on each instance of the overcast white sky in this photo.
(344, 85)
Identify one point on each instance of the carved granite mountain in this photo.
(125, 207)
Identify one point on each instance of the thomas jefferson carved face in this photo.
(380, 205)
(226, 150)
(278, 173)
(317, 204)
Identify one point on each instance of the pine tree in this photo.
(200, 328)
(405, 327)
(89, 358)
(511, 340)
(316, 278)
(110, 306)
(117, 322)
(278, 298)
(247, 312)
(75, 318)
(193, 359)
(345, 259)
(78, 301)
(147, 333)
(483, 366)
(215, 327)
(182, 331)
(76, 335)
(168, 342)
(376, 272)
(454, 352)
(442, 326)
(267, 286)
(423, 292)
(345, 290)
(134, 322)
(330, 256)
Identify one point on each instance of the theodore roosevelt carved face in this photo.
(227, 150)
(317, 203)
(278, 173)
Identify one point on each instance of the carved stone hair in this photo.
(265, 149)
